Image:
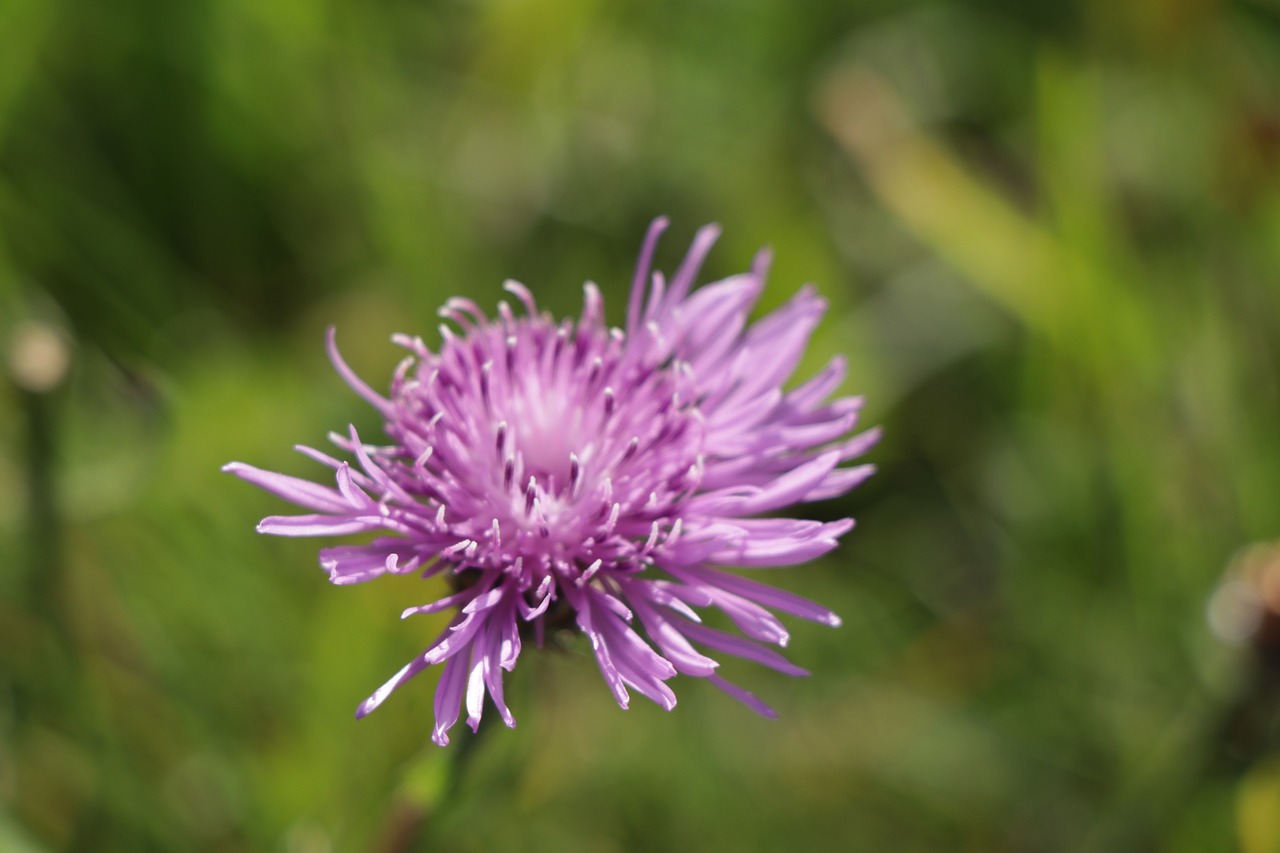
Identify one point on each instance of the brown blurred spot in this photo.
(1245, 608)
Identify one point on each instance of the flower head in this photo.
(571, 473)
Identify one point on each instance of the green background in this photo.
(1050, 237)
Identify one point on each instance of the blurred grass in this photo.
(1050, 236)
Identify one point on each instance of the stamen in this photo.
(485, 370)
(653, 537)
(674, 535)
(575, 473)
(589, 573)
(460, 545)
(522, 293)
(508, 317)
(562, 335)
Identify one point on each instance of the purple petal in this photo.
(380, 695)
(821, 386)
(800, 546)
(445, 603)
(643, 266)
(317, 525)
(764, 594)
(738, 647)
(449, 698)
(476, 682)
(773, 346)
(348, 375)
(752, 619)
(782, 491)
(293, 489)
(348, 564)
(838, 482)
(683, 280)
(639, 665)
(675, 647)
(746, 697)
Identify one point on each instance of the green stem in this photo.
(431, 785)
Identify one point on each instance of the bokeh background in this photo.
(1050, 238)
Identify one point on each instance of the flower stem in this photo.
(431, 785)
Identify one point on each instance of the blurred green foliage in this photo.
(1050, 236)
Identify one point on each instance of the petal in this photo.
(318, 525)
(449, 698)
(685, 276)
(348, 564)
(675, 647)
(639, 665)
(446, 603)
(742, 648)
(476, 682)
(746, 697)
(348, 375)
(764, 594)
(643, 265)
(293, 489)
(752, 619)
(772, 348)
(711, 322)
(599, 646)
(821, 386)
(840, 481)
(406, 672)
(785, 490)
(762, 551)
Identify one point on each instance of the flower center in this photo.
(545, 439)
(554, 447)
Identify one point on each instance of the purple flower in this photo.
(571, 473)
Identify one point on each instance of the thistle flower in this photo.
(561, 474)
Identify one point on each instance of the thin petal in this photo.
(742, 648)
(317, 525)
(786, 550)
(782, 491)
(685, 276)
(449, 698)
(348, 375)
(406, 672)
(840, 481)
(348, 564)
(293, 489)
(643, 265)
(746, 697)
(765, 595)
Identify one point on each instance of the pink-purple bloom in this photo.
(575, 474)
